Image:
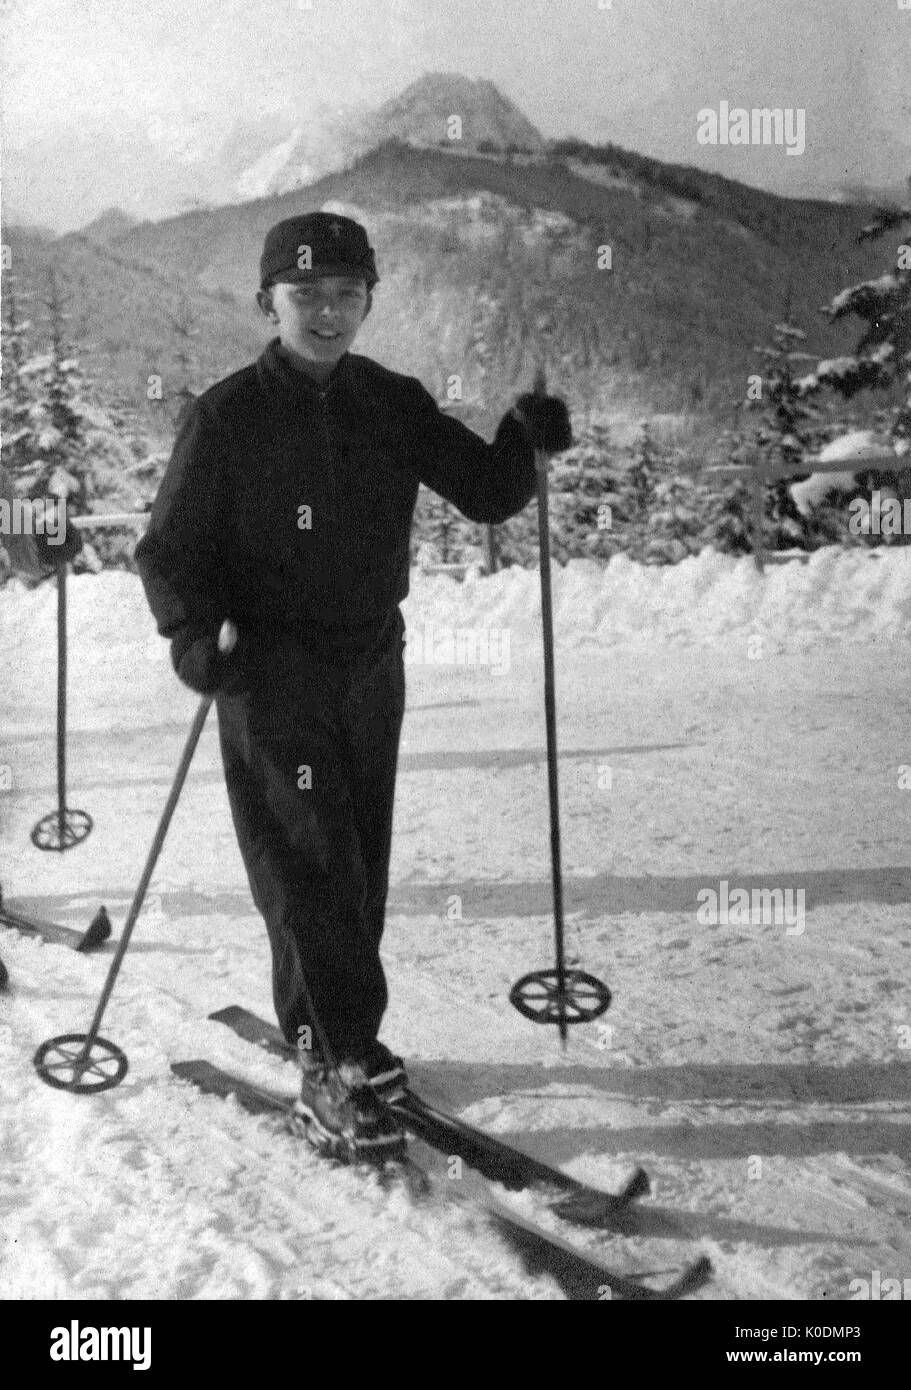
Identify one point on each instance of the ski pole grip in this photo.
(227, 637)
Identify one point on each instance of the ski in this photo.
(581, 1275)
(492, 1158)
(98, 931)
(259, 1100)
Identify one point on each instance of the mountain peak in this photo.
(421, 113)
(108, 225)
(290, 157)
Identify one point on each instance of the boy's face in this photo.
(317, 318)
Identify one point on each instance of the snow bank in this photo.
(855, 595)
(120, 672)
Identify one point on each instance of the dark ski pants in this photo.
(317, 856)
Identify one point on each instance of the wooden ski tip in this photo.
(636, 1186)
(602, 1210)
(99, 930)
(691, 1279)
(229, 1015)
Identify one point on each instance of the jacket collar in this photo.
(278, 370)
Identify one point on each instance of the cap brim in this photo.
(295, 276)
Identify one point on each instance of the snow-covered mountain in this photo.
(286, 157)
(421, 114)
(153, 168)
(281, 152)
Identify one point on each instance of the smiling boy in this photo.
(287, 507)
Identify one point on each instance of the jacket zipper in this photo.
(330, 470)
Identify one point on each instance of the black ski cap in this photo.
(337, 245)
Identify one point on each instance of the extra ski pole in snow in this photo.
(85, 1062)
(558, 996)
(65, 827)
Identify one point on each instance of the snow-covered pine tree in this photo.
(644, 471)
(588, 508)
(789, 431)
(60, 468)
(66, 444)
(727, 522)
(784, 429)
(676, 523)
(436, 530)
(17, 436)
(881, 361)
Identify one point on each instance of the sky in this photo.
(103, 100)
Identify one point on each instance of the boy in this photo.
(287, 507)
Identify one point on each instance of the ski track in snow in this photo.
(762, 1077)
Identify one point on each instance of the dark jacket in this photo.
(225, 540)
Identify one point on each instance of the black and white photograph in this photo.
(455, 636)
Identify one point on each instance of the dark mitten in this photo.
(200, 665)
(55, 550)
(546, 421)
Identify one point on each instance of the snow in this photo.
(863, 448)
(714, 725)
(860, 447)
(260, 178)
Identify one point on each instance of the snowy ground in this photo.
(713, 726)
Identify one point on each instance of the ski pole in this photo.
(558, 996)
(61, 698)
(65, 827)
(550, 720)
(55, 1061)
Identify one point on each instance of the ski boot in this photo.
(346, 1122)
(379, 1068)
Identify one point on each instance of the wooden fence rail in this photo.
(760, 473)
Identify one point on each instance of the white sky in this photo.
(187, 71)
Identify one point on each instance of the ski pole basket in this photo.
(544, 998)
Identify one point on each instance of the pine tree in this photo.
(881, 361)
(17, 434)
(439, 530)
(789, 431)
(56, 441)
(783, 430)
(61, 467)
(675, 524)
(882, 357)
(644, 472)
(588, 506)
